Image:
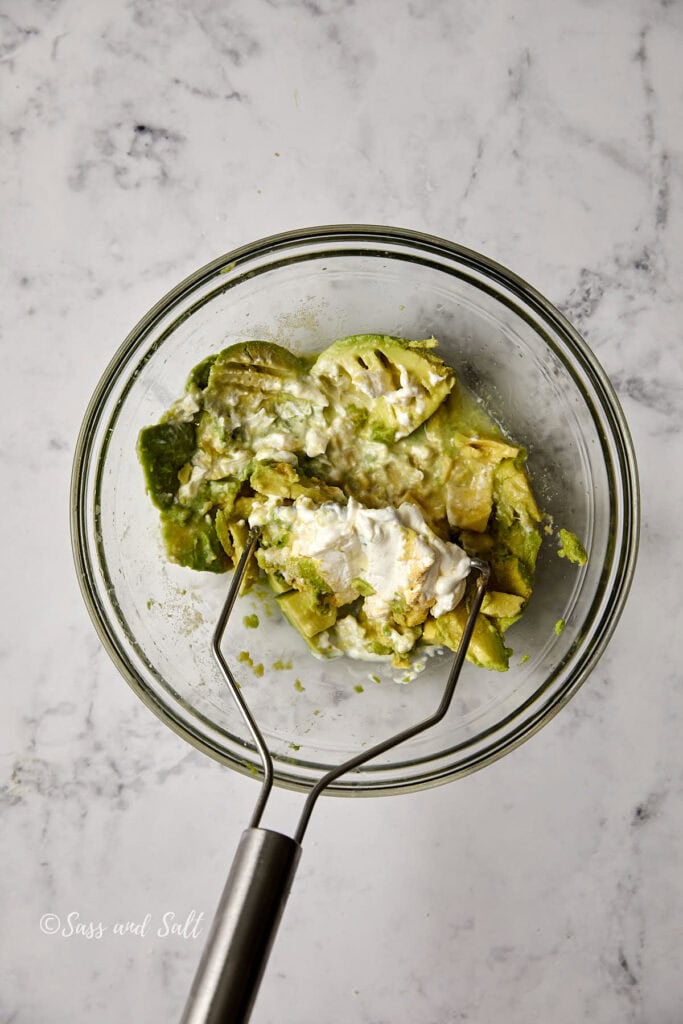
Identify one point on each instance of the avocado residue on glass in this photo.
(374, 434)
(281, 666)
(571, 548)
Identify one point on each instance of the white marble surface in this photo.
(140, 140)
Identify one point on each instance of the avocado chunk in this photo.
(504, 622)
(305, 611)
(571, 548)
(521, 541)
(498, 605)
(278, 584)
(274, 479)
(504, 609)
(477, 544)
(512, 493)
(511, 575)
(191, 540)
(470, 486)
(222, 528)
(163, 450)
(199, 375)
(223, 494)
(281, 480)
(258, 375)
(469, 492)
(254, 365)
(486, 648)
(390, 386)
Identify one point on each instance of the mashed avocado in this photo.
(373, 475)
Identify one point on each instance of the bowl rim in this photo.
(626, 461)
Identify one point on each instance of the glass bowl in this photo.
(533, 373)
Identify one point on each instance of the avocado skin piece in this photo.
(191, 541)
(304, 611)
(163, 450)
(486, 648)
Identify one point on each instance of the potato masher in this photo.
(250, 908)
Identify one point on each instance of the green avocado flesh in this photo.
(375, 420)
(571, 548)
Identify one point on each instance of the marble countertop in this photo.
(142, 139)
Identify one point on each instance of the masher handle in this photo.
(242, 933)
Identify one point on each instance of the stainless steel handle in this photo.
(242, 933)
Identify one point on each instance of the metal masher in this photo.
(250, 908)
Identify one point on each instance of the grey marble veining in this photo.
(140, 140)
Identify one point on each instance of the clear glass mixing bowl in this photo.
(533, 372)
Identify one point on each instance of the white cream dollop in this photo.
(392, 550)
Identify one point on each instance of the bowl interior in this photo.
(531, 373)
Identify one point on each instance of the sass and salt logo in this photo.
(166, 926)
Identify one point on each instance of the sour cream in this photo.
(391, 550)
